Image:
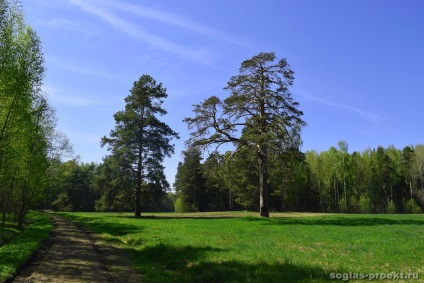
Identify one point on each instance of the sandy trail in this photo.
(75, 255)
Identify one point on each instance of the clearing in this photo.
(241, 247)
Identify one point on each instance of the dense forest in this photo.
(265, 171)
(381, 180)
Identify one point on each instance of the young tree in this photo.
(140, 140)
(261, 104)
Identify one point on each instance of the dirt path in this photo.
(75, 255)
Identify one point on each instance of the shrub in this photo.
(391, 207)
(354, 204)
(365, 205)
(181, 205)
(343, 206)
(411, 206)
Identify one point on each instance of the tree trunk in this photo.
(230, 200)
(263, 185)
(138, 185)
(335, 193)
(138, 201)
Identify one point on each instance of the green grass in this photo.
(240, 247)
(21, 244)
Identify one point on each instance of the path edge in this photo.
(37, 254)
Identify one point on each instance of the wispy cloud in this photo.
(198, 55)
(81, 69)
(369, 116)
(63, 24)
(169, 18)
(71, 100)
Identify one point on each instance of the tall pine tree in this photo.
(140, 140)
(261, 104)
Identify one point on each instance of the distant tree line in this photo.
(78, 186)
(382, 180)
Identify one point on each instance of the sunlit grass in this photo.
(22, 243)
(241, 247)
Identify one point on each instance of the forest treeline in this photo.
(380, 180)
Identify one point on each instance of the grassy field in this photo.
(18, 245)
(240, 247)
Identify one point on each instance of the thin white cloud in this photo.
(63, 24)
(81, 69)
(369, 116)
(169, 18)
(198, 55)
(71, 100)
(77, 101)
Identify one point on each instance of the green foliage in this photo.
(113, 182)
(29, 142)
(217, 183)
(343, 207)
(190, 183)
(140, 141)
(383, 174)
(168, 202)
(261, 105)
(238, 247)
(391, 207)
(411, 206)
(18, 249)
(242, 175)
(118, 203)
(73, 186)
(182, 205)
(331, 181)
(354, 204)
(365, 204)
(62, 203)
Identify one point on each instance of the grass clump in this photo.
(240, 247)
(18, 245)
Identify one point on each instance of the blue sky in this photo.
(359, 65)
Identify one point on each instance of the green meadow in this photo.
(241, 247)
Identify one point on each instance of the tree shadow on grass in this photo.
(169, 263)
(167, 217)
(339, 221)
(316, 220)
(100, 225)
